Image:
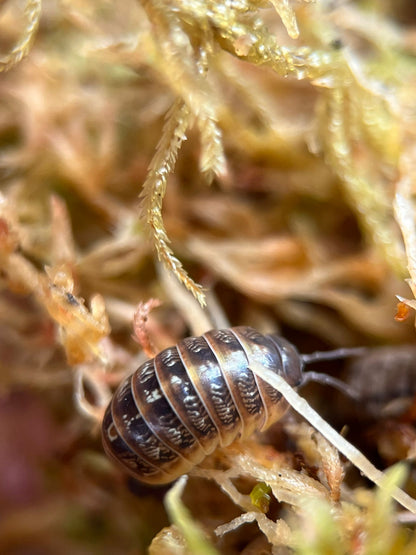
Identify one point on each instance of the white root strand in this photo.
(352, 453)
(196, 317)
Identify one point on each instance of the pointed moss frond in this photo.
(21, 48)
(354, 111)
(367, 196)
(184, 66)
(185, 71)
(212, 160)
(231, 28)
(154, 189)
(287, 15)
(178, 62)
(187, 32)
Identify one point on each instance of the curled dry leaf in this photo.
(81, 330)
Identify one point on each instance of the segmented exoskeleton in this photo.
(176, 408)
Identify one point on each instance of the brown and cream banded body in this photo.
(179, 406)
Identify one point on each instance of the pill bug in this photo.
(176, 408)
(385, 379)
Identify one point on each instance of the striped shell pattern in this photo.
(176, 408)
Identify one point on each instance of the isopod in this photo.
(385, 379)
(176, 408)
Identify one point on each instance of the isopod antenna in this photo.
(318, 356)
(344, 352)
